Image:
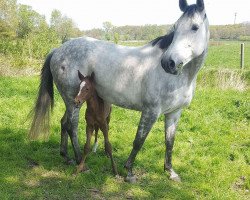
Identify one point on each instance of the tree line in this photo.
(26, 35)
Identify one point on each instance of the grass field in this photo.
(212, 151)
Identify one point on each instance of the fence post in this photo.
(242, 55)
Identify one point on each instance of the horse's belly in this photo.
(123, 98)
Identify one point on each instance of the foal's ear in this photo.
(183, 5)
(81, 77)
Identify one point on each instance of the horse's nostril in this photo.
(171, 64)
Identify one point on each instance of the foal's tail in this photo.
(44, 103)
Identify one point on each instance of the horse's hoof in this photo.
(70, 162)
(118, 176)
(175, 178)
(130, 179)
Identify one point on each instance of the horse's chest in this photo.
(177, 100)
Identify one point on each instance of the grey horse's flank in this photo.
(158, 78)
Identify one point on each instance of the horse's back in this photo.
(119, 70)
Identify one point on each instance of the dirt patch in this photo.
(14, 72)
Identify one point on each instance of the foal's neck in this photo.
(94, 102)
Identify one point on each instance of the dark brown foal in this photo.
(97, 117)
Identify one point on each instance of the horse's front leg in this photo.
(171, 121)
(147, 120)
(72, 129)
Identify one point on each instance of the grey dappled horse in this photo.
(158, 78)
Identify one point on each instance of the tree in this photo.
(29, 21)
(108, 29)
(116, 37)
(63, 26)
(8, 18)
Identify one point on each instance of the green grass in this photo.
(226, 54)
(211, 153)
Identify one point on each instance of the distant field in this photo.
(211, 154)
(226, 54)
(221, 54)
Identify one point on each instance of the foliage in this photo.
(63, 26)
(25, 36)
(230, 32)
(127, 33)
(8, 18)
(211, 151)
(29, 21)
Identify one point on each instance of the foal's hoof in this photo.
(95, 147)
(78, 171)
(130, 179)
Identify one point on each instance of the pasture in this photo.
(211, 153)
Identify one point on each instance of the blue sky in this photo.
(90, 14)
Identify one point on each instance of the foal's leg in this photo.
(171, 121)
(89, 131)
(72, 128)
(108, 148)
(147, 120)
(96, 138)
(64, 139)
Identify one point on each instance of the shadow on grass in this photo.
(32, 170)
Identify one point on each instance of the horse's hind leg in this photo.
(72, 128)
(82, 166)
(108, 147)
(64, 139)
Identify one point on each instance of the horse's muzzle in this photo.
(169, 67)
(77, 103)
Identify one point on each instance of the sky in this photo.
(88, 14)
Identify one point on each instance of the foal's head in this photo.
(86, 89)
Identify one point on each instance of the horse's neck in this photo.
(192, 69)
(93, 103)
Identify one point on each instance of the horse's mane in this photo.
(163, 41)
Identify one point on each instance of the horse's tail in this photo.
(44, 103)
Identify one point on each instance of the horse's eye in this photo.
(195, 27)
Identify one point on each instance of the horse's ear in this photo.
(200, 5)
(81, 77)
(183, 5)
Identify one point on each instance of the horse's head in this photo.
(86, 89)
(190, 39)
